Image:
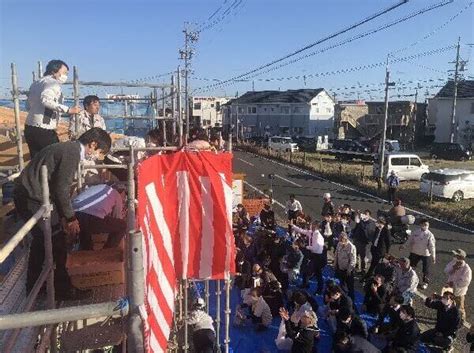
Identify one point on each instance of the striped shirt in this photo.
(99, 201)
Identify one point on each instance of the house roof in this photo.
(289, 96)
(465, 89)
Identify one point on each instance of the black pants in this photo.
(38, 138)
(426, 262)
(26, 208)
(347, 282)
(361, 250)
(204, 341)
(391, 194)
(440, 341)
(89, 225)
(315, 267)
(376, 257)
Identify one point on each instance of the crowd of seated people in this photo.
(274, 273)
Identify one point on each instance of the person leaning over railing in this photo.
(61, 160)
(45, 108)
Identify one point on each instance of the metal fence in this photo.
(135, 281)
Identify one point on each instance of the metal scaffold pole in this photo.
(206, 294)
(16, 109)
(186, 304)
(173, 107)
(131, 191)
(76, 99)
(136, 277)
(227, 315)
(218, 312)
(48, 238)
(163, 105)
(179, 108)
(40, 70)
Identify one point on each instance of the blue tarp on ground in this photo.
(244, 339)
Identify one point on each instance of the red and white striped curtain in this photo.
(185, 214)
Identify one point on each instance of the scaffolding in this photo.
(170, 91)
(53, 316)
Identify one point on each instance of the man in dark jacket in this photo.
(408, 334)
(304, 334)
(375, 297)
(345, 343)
(362, 235)
(392, 311)
(267, 216)
(352, 324)
(61, 160)
(380, 245)
(448, 321)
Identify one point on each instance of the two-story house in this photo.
(207, 112)
(440, 113)
(302, 112)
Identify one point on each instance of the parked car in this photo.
(452, 151)
(407, 166)
(349, 145)
(454, 184)
(306, 144)
(283, 144)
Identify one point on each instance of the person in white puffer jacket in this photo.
(422, 246)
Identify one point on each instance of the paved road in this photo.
(309, 189)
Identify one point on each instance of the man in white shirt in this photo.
(293, 207)
(459, 277)
(316, 253)
(88, 118)
(99, 209)
(45, 108)
(422, 246)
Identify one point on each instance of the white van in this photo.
(407, 166)
(282, 144)
(454, 184)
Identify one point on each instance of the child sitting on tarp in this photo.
(254, 308)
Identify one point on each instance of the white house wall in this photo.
(439, 114)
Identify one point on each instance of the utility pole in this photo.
(413, 119)
(173, 107)
(384, 131)
(454, 125)
(186, 54)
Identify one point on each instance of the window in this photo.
(197, 106)
(472, 108)
(401, 161)
(328, 110)
(415, 162)
(218, 106)
(240, 110)
(212, 105)
(251, 110)
(285, 110)
(296, 110)
(317, 110)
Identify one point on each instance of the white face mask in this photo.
(62, 78)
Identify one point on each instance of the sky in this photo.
(125, 40)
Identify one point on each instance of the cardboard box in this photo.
(96, 268)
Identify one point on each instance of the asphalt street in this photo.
(309, 188)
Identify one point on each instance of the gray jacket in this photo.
(345, 257)
(44, 103)
(406, 281)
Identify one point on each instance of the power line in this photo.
(233, 6)
(436, 30)
(331, 36)
(359, 36)
(363, 67)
